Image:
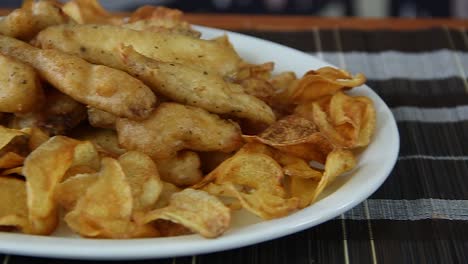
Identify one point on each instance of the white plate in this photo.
(375, 164)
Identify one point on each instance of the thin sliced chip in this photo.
(7, 135)
(258, 71)
(106, 140)
(255, 179)
(142, 175)
(69, 191)
(89, 12)
(100, 118)
(322, 82)
(105, 209)
(158, 18)
(167, 191)
(308, 190)
(13, 171)
(297, 136)
(10, 160)
(196, 210)
(44, 168)
(37, 137)
(347, 121)
(13, 208)
(181, 170)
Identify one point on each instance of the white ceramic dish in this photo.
(375, 164)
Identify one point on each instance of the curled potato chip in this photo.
(13, 208)
(44, 168)
(297, 136)
(73, 188)
(37, 137)
(173, 127)
(196, 210)
(257, 71)
(347, 121)
(181, 170)
(143, 178)
(322, 82)
(10, 160)
(105, 209)
(13, 171)
(168, 189)
(13, 144)
(255, 179)
(308, 190)
(89, 12)
(158, 18)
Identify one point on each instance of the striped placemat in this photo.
(420, 214)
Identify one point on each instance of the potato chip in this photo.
(70, 190)
(318, 83)
(347, 121)
(142, 175)
(255, 179)
(167, 228)
(167, 191)
(44, 168)
(196, 210)
(13, 171)
(181, 170)
(13, 208)
(37, 137)
(210, 160)
(158, 18)
(100, 118)
(257, 71)
(105, 210)
(89, 12)
(308, 190)
(173, 127)
(297, 136)
(10, 160)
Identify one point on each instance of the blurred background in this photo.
(363, 8)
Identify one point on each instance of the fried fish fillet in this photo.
(196, 87)
(99, 86)
(97, 44)
(32, 17)
(20, 88)
(173, 127)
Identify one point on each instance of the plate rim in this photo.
(144, 248)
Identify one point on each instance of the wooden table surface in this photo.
(291, 23)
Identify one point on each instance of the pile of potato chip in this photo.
(135, 127)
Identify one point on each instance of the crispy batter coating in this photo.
(173, 127)
(105, 88)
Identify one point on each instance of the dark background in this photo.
(373, 8)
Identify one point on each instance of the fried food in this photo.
(173, 127)
(99, 86)
(297, 136)
(135, 127)
(348, 122)
(158, 18)
(143, 177)
(13, 208)
(43, 169)
(33, 16)
(193, 86)
(98, 43)
(322, 82)
(196, 210)
(105, 209)
(255, 179)
(20, 88)
(57, 115)
(89, 12)
(181, 170)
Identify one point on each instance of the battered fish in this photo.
(173, 127)
(97, 44)
(99, 86)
